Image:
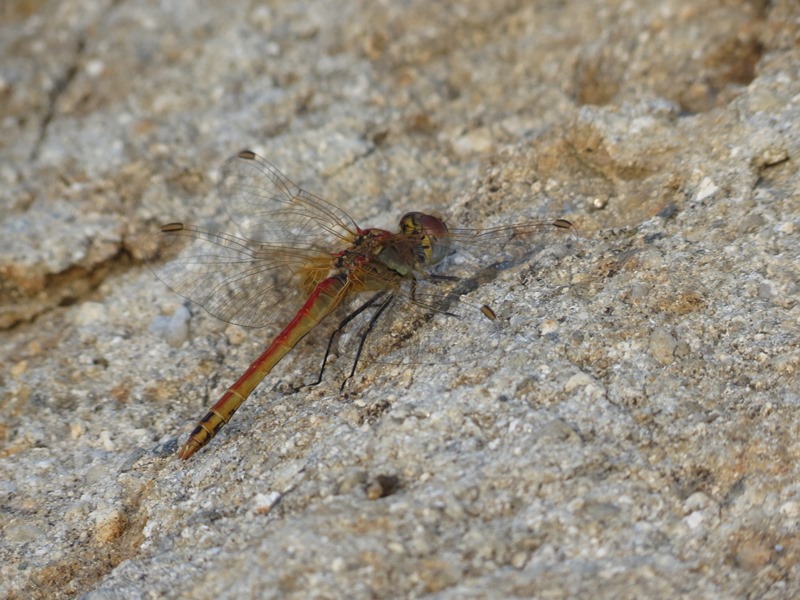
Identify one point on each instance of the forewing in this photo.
(473, 250)
(268, 207)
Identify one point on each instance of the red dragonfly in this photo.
(299, 252)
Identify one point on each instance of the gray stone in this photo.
(626, 427)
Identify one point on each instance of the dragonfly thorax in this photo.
(367, 264)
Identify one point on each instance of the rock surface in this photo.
(632, 432)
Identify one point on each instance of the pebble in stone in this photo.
(174, 329)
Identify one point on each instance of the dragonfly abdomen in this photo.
(324, 299)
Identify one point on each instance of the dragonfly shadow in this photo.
(416, 326)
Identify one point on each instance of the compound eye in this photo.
(420, 223)
(433, 226)
(432, 229)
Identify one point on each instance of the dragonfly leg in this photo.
(384, 305)
(341, 326)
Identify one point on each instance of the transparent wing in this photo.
(236, 280)
(268, 207)
(472, 250)
(256, 278)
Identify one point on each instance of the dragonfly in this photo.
(297, 254)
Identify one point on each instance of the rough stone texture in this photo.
(632, 433)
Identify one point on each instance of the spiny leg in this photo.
(341, 326)
(364, 335)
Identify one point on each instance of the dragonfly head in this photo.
(432, 231)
